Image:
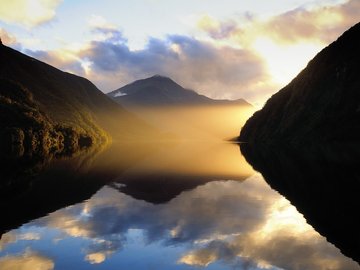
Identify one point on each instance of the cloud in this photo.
(323, 24)
(7, 38)
(100, 249)
(285, 42)
(215, 71)
(64, 59)
(28, 13)
(218, 72)
(242, 57)
(317, 23)
(28, 260)
(245, 224)
(95, 258)
(280, 248)
(215, 28)
(14, 236)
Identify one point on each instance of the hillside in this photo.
(320, 106)
(32, 89)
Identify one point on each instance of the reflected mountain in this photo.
(159, 189)
(219, 225)
(33, 186)
(323, 184)
(155, 173)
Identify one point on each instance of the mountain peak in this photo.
(158, 76)
(159, 90)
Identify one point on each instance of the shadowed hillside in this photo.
(40, 99)
(321, 105)
(25, 128)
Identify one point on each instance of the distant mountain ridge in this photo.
(161, 91)
(321, 105)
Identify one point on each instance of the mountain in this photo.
(163, 91)
(43, 108)
(180, 112)
(321, 105)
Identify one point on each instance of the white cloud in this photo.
(28, 13)
(7, 38)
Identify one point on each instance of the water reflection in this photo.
(168, 206)
(152, 172)
(27, 260)
(225, 223)
(323, 182)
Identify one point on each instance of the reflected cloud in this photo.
(28, 260)
(230, 222)
(101, 249)
(285, 240)
(95, 258)
(14, 236)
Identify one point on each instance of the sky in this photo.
(226, 49)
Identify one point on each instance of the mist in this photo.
(191, 122)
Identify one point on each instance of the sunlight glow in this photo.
(285, 62)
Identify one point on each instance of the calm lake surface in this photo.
(188, 205)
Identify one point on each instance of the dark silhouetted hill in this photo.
(321, 105)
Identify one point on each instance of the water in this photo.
(186, 205)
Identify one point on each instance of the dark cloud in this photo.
(215, 71)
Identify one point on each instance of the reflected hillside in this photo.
(171, 168)
(219, 225)
(152, 172)
(323, 183)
